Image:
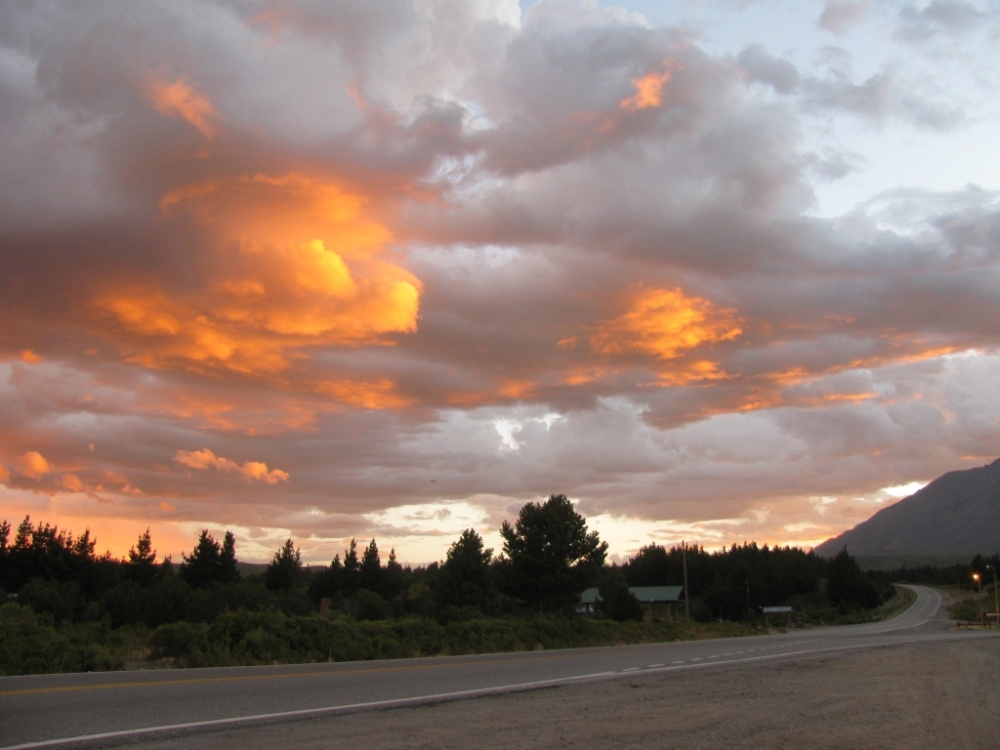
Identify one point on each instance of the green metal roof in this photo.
(642, 593)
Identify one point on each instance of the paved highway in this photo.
(110, 708)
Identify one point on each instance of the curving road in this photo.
(109, 708)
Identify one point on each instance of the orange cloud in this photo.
(4, 473)
(251, 470)
(517, 388)
(293, 262)
(368, 394)
(35, 465)
(30, 357)
(648, 90)
(665, 323)
(255, 414)
(180, 99)
(72, 483)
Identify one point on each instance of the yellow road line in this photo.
(245, 678)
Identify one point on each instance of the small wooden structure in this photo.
(669, 596)
(789, 611)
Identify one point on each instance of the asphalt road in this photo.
(112, 708)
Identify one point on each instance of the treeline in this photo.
(962, 575)
(735, 583)
(181, 610)
(549, 557)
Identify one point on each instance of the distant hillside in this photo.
(956, 514)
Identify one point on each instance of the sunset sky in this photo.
(718, 271)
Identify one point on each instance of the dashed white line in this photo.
(677, 662)
(655, 666)
(632, 669)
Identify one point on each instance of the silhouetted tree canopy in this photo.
(285, 569)
(465, 579)
(550, 556)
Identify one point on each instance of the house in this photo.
(669, 596)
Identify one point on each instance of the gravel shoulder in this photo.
(941, 695)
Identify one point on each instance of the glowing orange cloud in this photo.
(292, 262)
(30, 357)
(665, 323)
(251, 470)
(180, 99)
(250, 415)
(72, 483)
(648, 91)
(516, 389)
(368, 394)
(4, 473)
(35, 465)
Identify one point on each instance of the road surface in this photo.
(110, 708)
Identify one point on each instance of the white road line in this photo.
(655, 666)
(698, 659)
(632, 669)
(678, 662)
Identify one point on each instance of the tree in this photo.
(551, 558)
(616, 601)
(393, 577)
(847, 586)
(465, 579)
(228, 572)
(285, 568)
(141, 565)
(352, 570)
(201, 570)
(371, 568)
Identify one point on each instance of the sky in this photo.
(717, 271)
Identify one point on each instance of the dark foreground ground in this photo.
(939, 695)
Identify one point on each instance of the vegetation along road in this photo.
(120, 708)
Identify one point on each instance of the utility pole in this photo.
(687, 596)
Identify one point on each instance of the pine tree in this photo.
(141, 564)
(371, 568)
(551, 557)
(228, 572)
(285, 569)
(352, 570)
(393, 577)
(465, 579)
(201, 570)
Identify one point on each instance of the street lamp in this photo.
(996, 597)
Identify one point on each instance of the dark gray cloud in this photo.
(295, 266)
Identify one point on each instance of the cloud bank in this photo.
(449, 256)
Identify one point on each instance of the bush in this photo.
(30, 644)
(179, 640)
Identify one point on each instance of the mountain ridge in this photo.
(956, 514)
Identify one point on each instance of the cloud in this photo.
(440, 255)
(35, 465)
(664, 324)
(250, 470)
(276, 280)
(955, 18)
(180, 99)
(840, 16)
(761, 67)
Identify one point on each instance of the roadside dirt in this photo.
(944, 695)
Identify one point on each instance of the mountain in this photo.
(956, 514)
